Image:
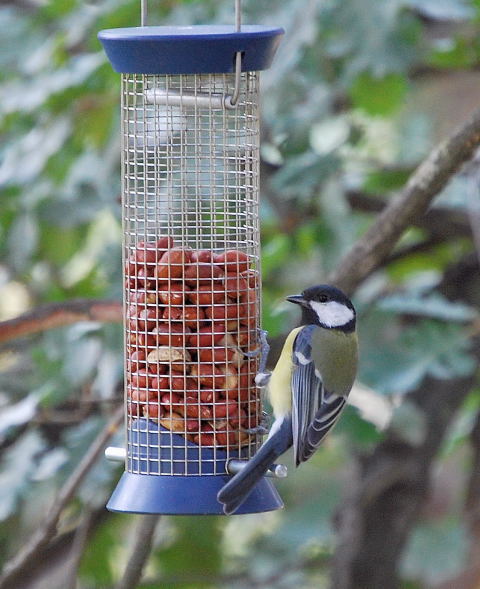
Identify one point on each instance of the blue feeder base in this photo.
(164, 477)
(185, 495)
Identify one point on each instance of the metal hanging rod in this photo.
(231, 101)
(143, 12)
(188, 99)
(277, 471)
(115, 454)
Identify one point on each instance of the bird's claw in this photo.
(262, 379)
(261, 429)
(263, 348)
(253, 354)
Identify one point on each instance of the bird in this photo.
(308, 387)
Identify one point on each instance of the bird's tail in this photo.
(234, 493)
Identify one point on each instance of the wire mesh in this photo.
(192, 275)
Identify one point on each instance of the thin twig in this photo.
(411, 202)
(140, 553)
(53, 315)
(48, 529)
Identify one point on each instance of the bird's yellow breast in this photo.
(279, 387)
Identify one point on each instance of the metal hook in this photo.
(231, 101)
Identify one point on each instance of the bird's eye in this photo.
(323, 298)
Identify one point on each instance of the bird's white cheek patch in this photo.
(332, 314)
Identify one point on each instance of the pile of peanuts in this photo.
(191, 323)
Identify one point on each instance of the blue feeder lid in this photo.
(189, 50)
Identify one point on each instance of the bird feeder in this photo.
(190, 200)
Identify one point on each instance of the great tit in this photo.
(308, 387)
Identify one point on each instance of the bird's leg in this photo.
(263, 349)
(261, 429)
(261, 380)
(263, 376)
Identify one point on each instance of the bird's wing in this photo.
(314, 409)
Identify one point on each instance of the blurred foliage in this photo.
(341, 115)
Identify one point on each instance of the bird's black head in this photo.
(327, 306)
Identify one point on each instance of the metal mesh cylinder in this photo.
(192, 276)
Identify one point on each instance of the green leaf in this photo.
(378, 95)
(329, 135)
(22, 240)
(310, 235)
(380, 37)
(16, 469)
(432, 305)
(274, 253)
(428, 348)
(17, 414)
(443, 9)
(409, 423)
(303, 174)
(25, 158)
(82, 360)
(49, 464)
(31, 95)
(452, 53)
(436, 551)
(379, 181)
(13, 28)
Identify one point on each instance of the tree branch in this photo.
(140, 553)
(442, 222)
(15, 567)
(54, 315)
(410, 203)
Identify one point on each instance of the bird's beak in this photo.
(297, 299)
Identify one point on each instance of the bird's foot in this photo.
(262, 379)
(261, 429)
(263, 349)
(253, 353)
